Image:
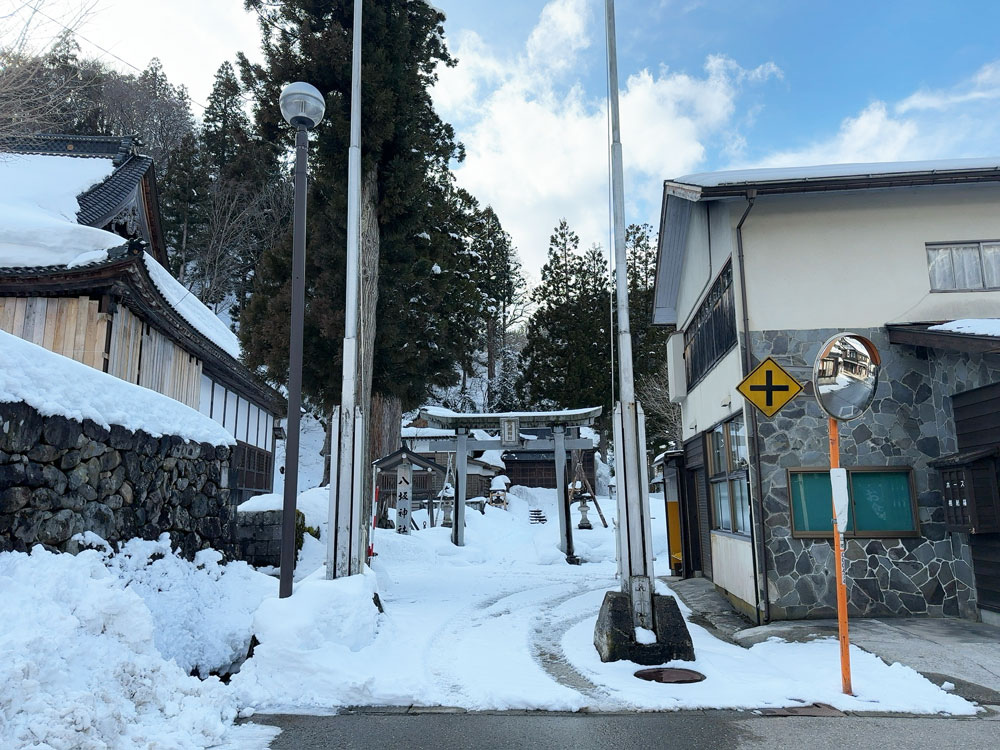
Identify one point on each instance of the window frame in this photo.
(712, 332)
(950, 245)
(729, 475)
(852, 533)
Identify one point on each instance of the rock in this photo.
(61, 432)
(98, 518)
(43, 454)
(11, 474)
(58, 528)
(26, 524)
(95, 432)
(54, 479)
(92, 449)
(13, 499)
(121, 439)
(72, 501)
(126, 492)
(45, 499)
(110, 460)
(69, 460)
(20, 428)
(199, 506)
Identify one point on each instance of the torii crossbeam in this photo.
(509, 425)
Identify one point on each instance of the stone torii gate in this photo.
(509, 425)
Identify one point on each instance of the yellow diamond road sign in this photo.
(769, 387)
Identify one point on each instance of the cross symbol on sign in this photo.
(769, 387)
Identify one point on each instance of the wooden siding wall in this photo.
(168, 369)
(141, 354)
(71, 326)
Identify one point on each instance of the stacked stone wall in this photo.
(60, 477)
(910, 423)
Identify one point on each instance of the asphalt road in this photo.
(688, 729)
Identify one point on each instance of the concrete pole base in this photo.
(614, 634)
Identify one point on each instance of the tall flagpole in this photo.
(636, 562)
(344, 551)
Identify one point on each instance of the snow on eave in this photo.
(693, 186)
(188, 306)
(57, 385)
(970, 326)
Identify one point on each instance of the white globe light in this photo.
(302, 104)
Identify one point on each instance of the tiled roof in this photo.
(102, 199)
(98, 202)
(117, 148)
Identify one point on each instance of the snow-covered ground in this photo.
(505, 623)
(96, 649)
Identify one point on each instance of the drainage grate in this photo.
(814, 709)
(671, 676)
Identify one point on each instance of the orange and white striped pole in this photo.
(839, 485)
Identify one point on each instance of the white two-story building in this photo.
(772, 263)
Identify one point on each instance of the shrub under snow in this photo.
(202, 611)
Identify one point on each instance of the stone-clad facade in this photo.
(60, 477)
(909, 424)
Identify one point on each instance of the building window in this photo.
(965, 266)
(712, 332)
(883, 503)
(727, 462)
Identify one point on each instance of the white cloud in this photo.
(960, 121)
(537, 143)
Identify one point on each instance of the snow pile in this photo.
(38, 206)
(771, 674)
(191, 308)
(202, 611)
(54, 384)
(314, 646)
(79, 667)
(972, 326)
(312, 435)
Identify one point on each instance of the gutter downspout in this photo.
(760, 551)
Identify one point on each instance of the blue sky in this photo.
(706, 85)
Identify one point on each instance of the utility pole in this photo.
(345, 555)
(630, 444)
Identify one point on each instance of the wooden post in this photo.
(404, 497)
(845, 643)
(461, 464)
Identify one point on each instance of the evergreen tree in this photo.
(566, 357)
(183, 195)
(407, 148)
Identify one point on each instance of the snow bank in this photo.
(54, 384)
(771, 674)
(191, 308)
(973, 326)
(312, 645)
(79, 668)
(38, 206)
(202, 611)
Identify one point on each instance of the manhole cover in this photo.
(673, 676)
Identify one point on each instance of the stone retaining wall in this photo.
(59, 477)
(909, 424)
(258, 536)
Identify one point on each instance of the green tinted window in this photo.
(882, 501)
(812, 501)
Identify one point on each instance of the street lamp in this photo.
(302, 106)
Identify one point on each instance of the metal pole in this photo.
(637, 565)
(294, 364)
(462, 465)
(348, 527)
(838, 552)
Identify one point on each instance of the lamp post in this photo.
(301, 105)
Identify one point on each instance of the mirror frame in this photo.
(824, 350)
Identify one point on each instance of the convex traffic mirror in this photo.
(845, 375)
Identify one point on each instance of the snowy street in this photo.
(504, 623)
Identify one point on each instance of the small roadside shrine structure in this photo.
(509, 424)
(403, 462)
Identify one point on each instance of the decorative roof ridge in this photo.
(118, 148)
